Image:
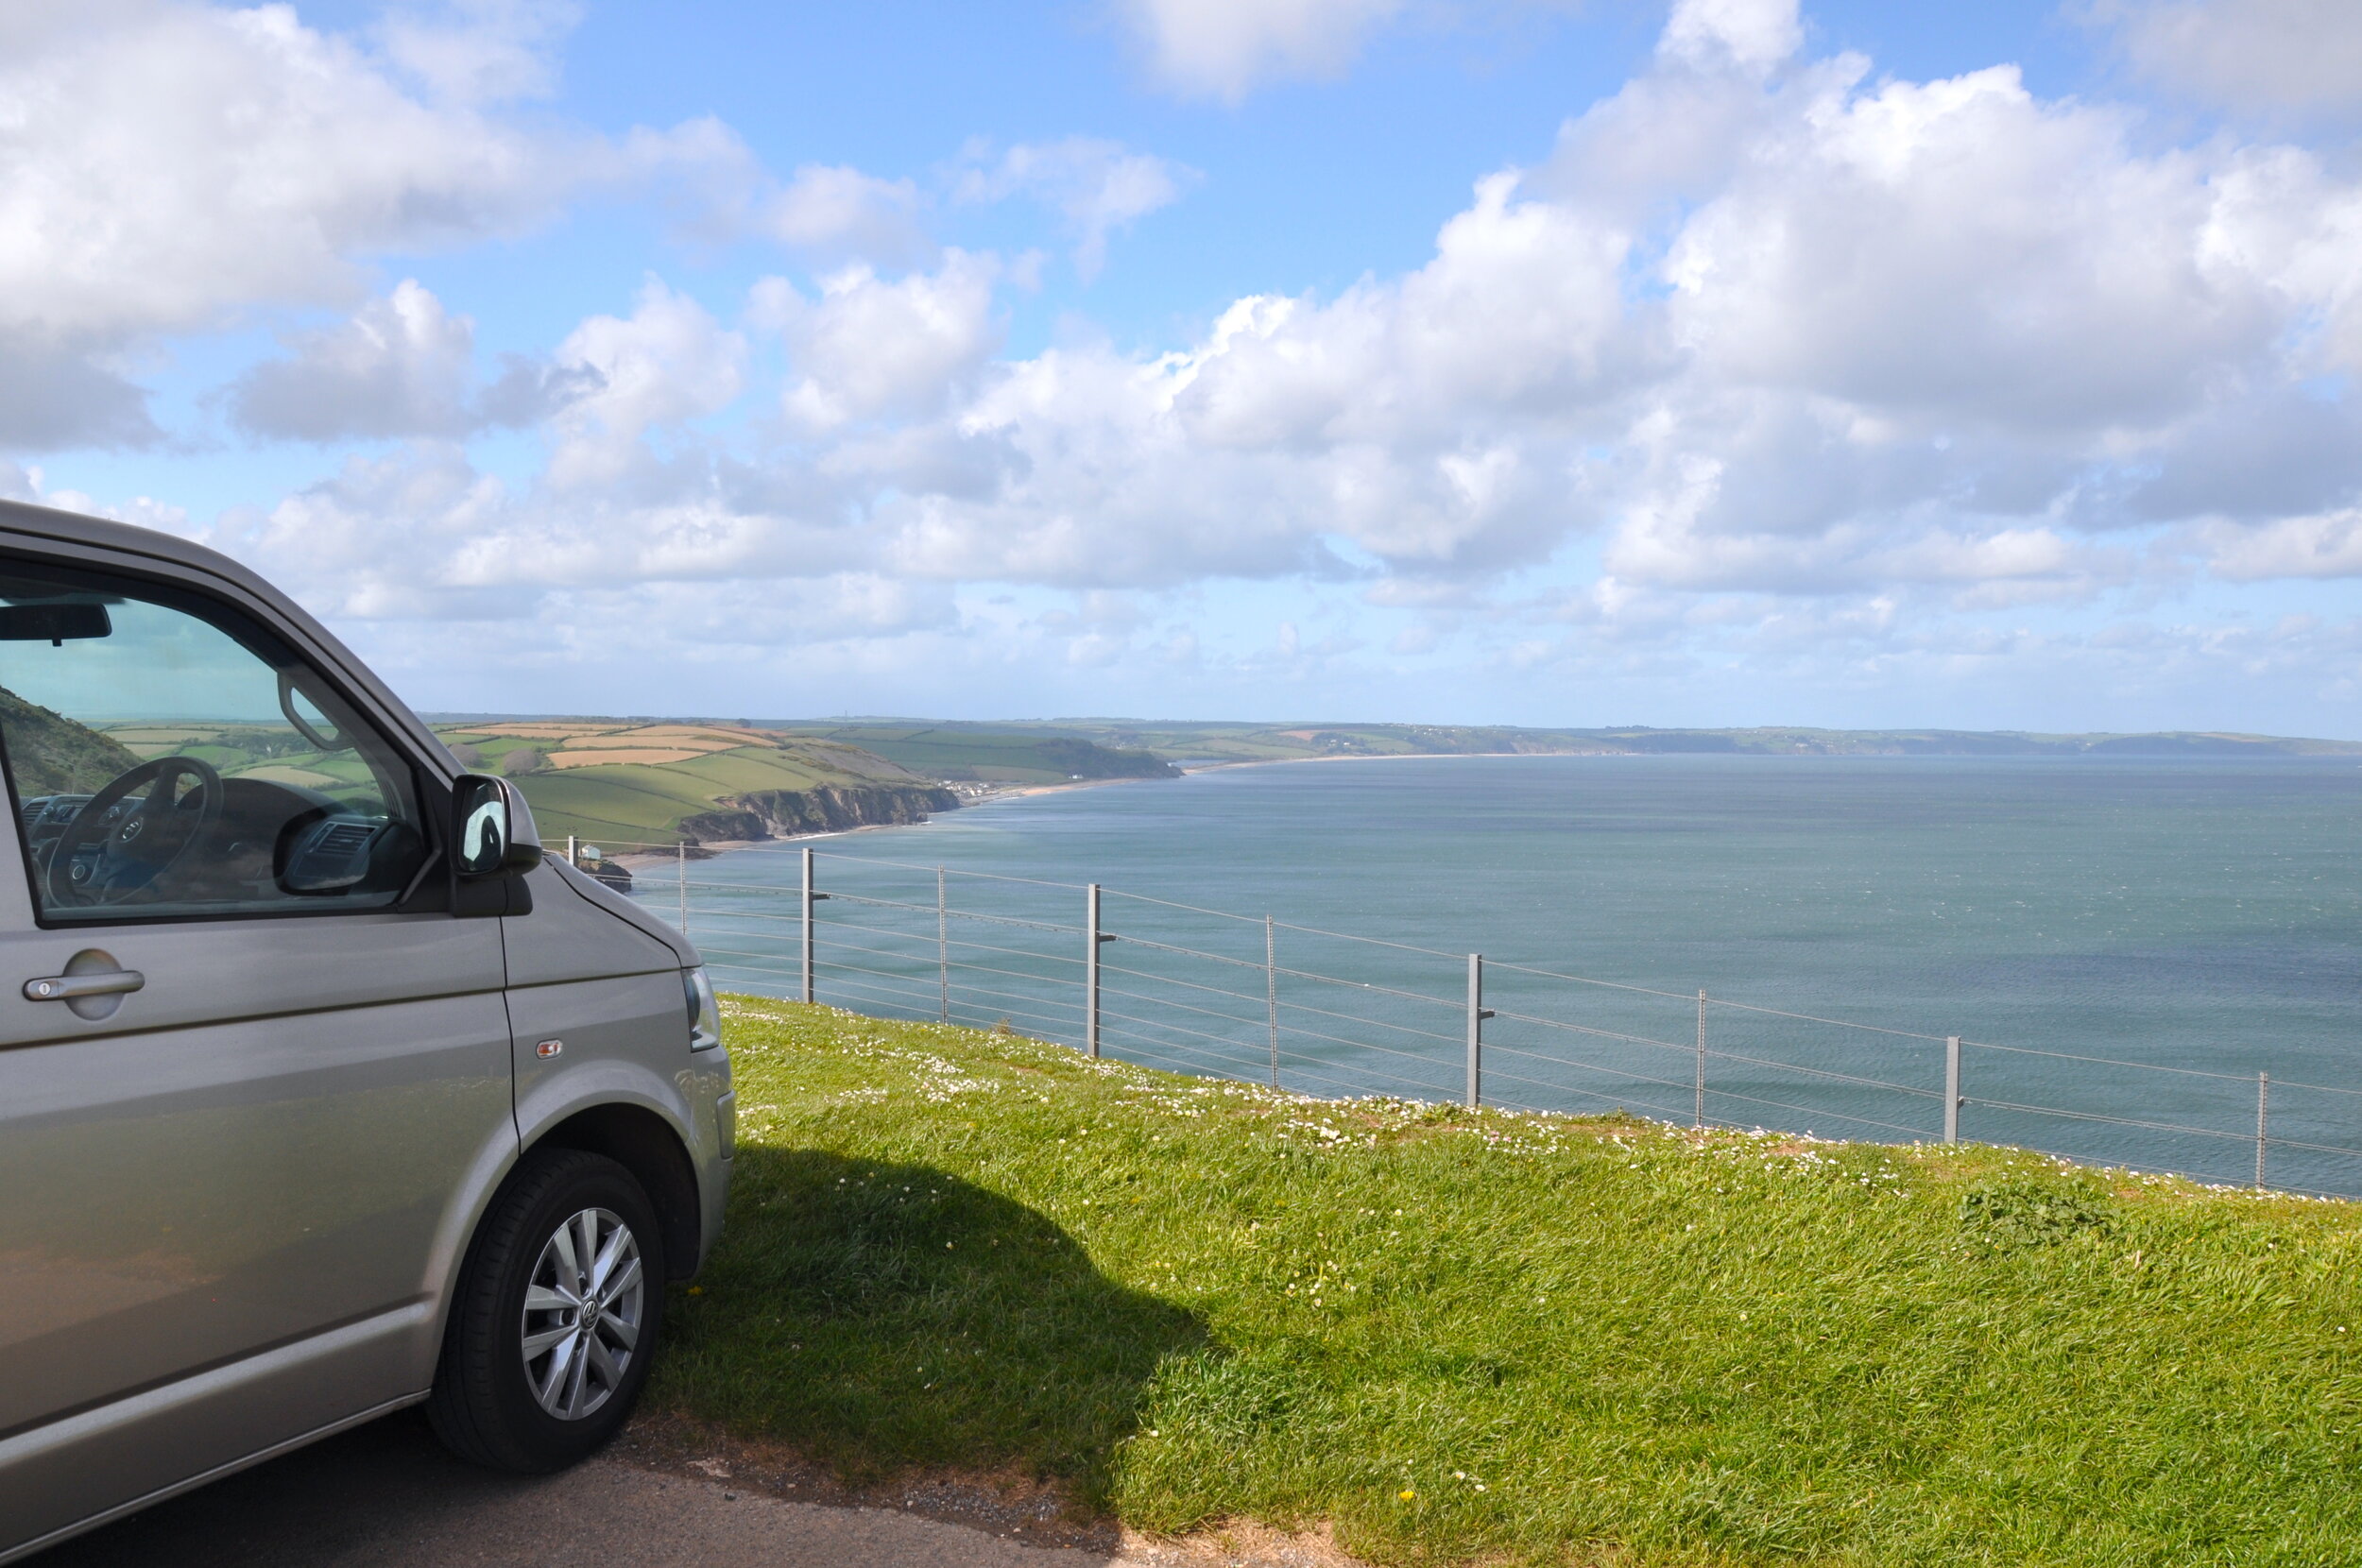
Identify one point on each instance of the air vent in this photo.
(344, 838)
(57, 808)
(334, 859)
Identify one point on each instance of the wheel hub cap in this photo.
(584, 1307)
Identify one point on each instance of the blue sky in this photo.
(1438, 359)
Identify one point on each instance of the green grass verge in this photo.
(1482, 1336)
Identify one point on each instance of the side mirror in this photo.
(491, 832)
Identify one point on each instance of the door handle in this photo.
(66, 988)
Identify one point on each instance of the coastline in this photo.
(635, 860)
(649, 858)
(1380, 757)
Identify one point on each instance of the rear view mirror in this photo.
(485, 829)
(52, 623)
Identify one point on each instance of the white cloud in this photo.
(836, 213)
(166, 164)
(173, 160)
(1753, 35)
(58, 393)
(1939, 340)
(1224, 48)
(1097, 187)
(2324, 545)
(398, 368)
(1772, 357)
(20, 481)
(2261, 55)
(1958, 250)
(667, 363)
(480, 51)
(868, 347)
(1522, 310)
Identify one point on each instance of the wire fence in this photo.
(1330, 1012)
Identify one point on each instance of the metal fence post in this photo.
(1699, 1114)
(1271, 993)
(1091, 974)
(1951, 1088)
(943, 946)
(808, 898)
(1477, 1014)
(2262, 1106)
(682, 862)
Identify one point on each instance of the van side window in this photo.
(167, 756)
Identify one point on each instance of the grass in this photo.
(647, 802)
(1485, 1337)
(970, 751)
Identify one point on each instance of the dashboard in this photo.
(271, 843)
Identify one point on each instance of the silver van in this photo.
(321, 1092)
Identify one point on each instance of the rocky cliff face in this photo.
(832, 807)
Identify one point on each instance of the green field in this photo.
(994, 754)
(663, 773)
(274, 751)
(1266, 742)
(1487, 1337)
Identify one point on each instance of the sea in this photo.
(2126, 947)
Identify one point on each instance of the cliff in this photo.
(633, 785)
(991, 754)
(824, 809)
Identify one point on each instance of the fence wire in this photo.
(1219, 993)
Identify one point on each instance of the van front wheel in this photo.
(559, 1309)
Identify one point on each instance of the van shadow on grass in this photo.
(877, 1317)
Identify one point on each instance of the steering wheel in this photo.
(135, 851)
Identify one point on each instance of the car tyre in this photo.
(559, 1307)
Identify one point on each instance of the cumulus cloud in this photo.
(480, 51)
(57, 392)
(164, 165)
(668, 363)
(1762, 326)
(1772, 355)
(1752, 35)
(2273, 56)
(1097, 187)
(400, 367)
(210, 158)
(1224, 48)
(835, 213)
(870, 347)
(2322, 545)
(1956, 249)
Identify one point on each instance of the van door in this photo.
(245, 1076)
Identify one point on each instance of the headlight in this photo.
(705, 1015)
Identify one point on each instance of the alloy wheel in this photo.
(584, 1307)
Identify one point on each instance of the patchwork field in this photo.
(274, 751)
(622, 784)
(1000, 744)
(994, 754)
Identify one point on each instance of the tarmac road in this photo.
(386, 1497)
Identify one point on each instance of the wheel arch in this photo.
(644, 1144)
